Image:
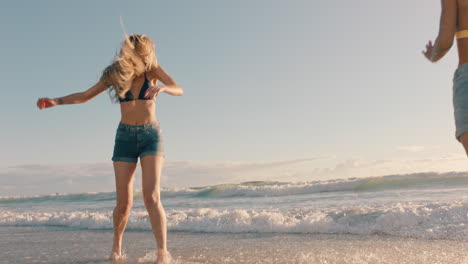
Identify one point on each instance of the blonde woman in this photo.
(131, 79)
(454, 23)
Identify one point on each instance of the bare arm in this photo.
(170, 85)
(83, 97)
(447, 29)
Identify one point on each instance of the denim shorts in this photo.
(460, 100)
(132, 142)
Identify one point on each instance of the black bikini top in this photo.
(141, 96)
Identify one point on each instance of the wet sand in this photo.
(60, 245)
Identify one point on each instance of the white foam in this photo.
(429, 220)
(151, 257)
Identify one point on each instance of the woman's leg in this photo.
(124, 172)
(464, 141)
(151, 167)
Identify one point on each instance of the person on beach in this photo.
(131, 79)
(454, 23)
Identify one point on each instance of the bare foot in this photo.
(164, 257)
(116, 256)
(117, 251)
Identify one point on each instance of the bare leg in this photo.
(124, 172)
(464, 141)
(151, 167)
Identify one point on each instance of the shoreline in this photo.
(62, 245)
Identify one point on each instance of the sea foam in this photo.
(446, 220)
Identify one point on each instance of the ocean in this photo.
(412, 218)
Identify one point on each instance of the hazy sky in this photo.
(312, 85)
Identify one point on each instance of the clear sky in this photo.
(315, 86)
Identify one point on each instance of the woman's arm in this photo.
(83, 97)
(76, 98)
(170, 85)
(447, 29)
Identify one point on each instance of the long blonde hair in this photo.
(128, 64)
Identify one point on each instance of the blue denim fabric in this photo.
(460, 100)
(132, 142)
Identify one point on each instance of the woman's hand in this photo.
(154, 91)
(429, 50)
(46, 102)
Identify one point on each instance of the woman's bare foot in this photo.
(164, 257)
(117, 256)
(117, 251)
